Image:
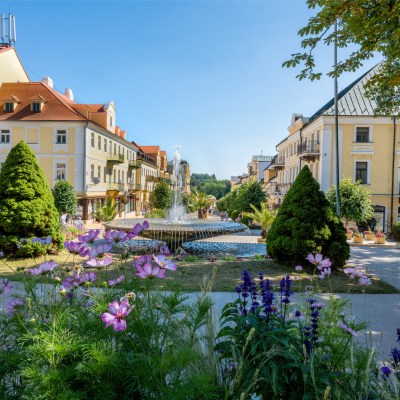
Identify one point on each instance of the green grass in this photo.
(192, 276)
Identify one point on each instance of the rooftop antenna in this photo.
(7, 24)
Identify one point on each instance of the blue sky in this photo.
(205, 75)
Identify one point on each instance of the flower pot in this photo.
(380, 240)
(358, 239)
(260, 240)
(349, 236)
(369, 236)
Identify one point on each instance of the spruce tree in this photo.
(305, 224)
(26, 203)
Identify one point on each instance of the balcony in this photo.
(119, 187)
(150, 178)
(309, 151)
(115, 158)
(278, 162)
(134, 187)
(136, 164)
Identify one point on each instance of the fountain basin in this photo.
(174, 234)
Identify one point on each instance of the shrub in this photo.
(71, 232)
(191, 258)
(65, 198)
(395, 231)
(305, 224)
(161, 196)
(156, 213)
(26, 203)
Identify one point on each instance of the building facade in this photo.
(369, 151)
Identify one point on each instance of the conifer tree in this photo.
(26, 202)
(65, 198)
(305, 224)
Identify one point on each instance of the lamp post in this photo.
(336, 126)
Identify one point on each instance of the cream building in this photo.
(11, 69)
(369, 150)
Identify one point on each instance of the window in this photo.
(362, 134)
(99, 172)
(115, 176)
(92, 139)
(9, 107)
(61, 171)
(105, 145)
(36, 107)
(119, 176)
(111, 121)
(115, 149)
(91, 172)
(317, 137)
(123, 176)
(5, 136)
(105, 175)
(99, 142)
(61, 137)
(316, 171)
(362, 172)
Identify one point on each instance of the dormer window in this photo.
(10, 104)
(8, 107)
(37, 103)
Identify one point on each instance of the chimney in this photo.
(117, 130)
(48, 81)
(68, 94)
(122, 134)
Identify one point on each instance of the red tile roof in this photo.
(151, 149)
(56, 108)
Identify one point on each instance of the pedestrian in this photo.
(226, 216)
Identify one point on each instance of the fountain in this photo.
(178, 228)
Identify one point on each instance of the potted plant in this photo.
(369, 235)
(264, 217)
(357, 237)
(380, 238)
(349, 234)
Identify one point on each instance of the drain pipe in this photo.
(301, 144)
(393, 163)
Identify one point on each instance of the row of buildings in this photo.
(79, 143)
(369, 151)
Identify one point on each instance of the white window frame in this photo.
(62, 133)
(59, 147)
(5, 132)
(92, 139)
(355, 134)
(368, 171)
(55, 168)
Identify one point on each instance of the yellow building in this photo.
(11, 69)
(76, 142)
(368, 151)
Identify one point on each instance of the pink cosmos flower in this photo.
(13, 304)
(298, 268)
(100, 250)
(150, 271)
(364, 280)
(164, 263)
(77, 248)
(43, 268)
(140, 261)
(117, 313)
(348, 329)
(5, 286)
(113, 282)
(319, 261)
(99, 263)
(91, 236)
(137, 229)
(116, 236)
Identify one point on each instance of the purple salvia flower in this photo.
(386, 371)
(5, 286)
(395, 353)
(117, 313)
(43, 268)
(113, 282)
(90, 237)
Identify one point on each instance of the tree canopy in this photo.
(210, 185)
(355, 201)
(161, 197)
(372, 26)
(65, 198)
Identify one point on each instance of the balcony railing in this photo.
(134, 164)
(309, 150)
(150, 178)
(115, 158)
(120, 187)
(278, 162)
(134, 187)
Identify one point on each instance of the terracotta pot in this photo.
(349, 236)
(358, 239)
(380, 240)
(370, 236)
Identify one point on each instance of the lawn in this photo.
(192, 276)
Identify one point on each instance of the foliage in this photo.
(156, 213)
(186, 202)
(200, 202)
(26, 203)
(272, 350)
(107, 212)
(56, 343)
(242, 197)
(355, 201)
(210, 185)
(369, 25)
(71, 232)
(65, 198)
(161, 196)
(395, 232)
(305, 224)
(262, 216)
(191, 258)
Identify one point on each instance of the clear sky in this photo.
(205, 75)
